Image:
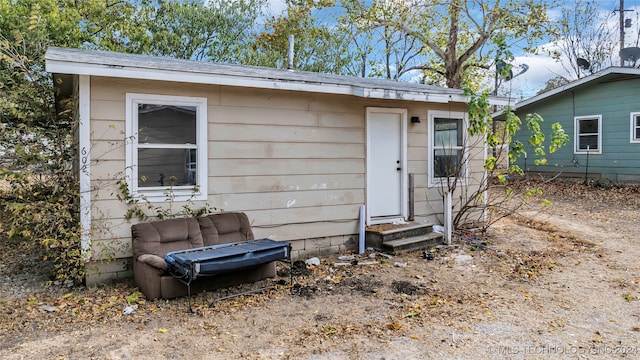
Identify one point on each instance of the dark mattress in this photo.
(187, 265)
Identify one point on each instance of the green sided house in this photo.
(298, 152)
(601, 115)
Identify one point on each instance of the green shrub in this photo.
(44, 212)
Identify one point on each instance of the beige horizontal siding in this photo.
(236, 115)
(104, 89)
(417, 139)
(341, 104)
(417, 166)
(261, 183)
(293, 199)
(102, 169)
(252, 167)
(283, 150)
(271, 133)
(108, 110)
(336, 119)
(108, 150)
(293, 161)
(288, 232)
(240, 97)
(107, 130)
(417, 153)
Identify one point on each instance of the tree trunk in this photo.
(452, 66)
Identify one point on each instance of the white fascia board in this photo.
(412, 96)
(197, 78)
(65, 67)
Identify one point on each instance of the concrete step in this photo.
(415, 243)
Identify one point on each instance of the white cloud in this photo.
(275, 7)
(541, 69)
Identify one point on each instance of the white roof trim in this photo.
(110, 64)
(573, 84)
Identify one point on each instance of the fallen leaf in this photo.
(394, 326)
(162, 330)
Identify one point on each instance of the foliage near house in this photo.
(42, 205)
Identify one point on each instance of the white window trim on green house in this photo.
(635, 128)
(433, 147)
(197, 191)
(577, 135)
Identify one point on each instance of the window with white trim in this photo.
(167, 146)
(635, 127)
(588, 134)
(446, 143)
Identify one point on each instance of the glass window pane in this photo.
(447, 132)
(637, 133)
(164, 167)
(446, 162)
(589, 126)
(589, 140)
(166, 124)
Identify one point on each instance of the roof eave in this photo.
(577, 83)
(63, 64)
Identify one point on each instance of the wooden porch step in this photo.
(415, 243)
(396, 239)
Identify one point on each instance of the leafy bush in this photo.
(40, 200)
(144, 210)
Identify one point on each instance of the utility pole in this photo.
(623, 24)
(621, 30)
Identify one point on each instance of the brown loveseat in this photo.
(152, 240)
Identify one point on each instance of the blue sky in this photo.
(542, 67)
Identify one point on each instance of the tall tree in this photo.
(187, 29)
(36, 142)
(553, 83)
(587, 32)
(381, 51)
(319, 45)
(459, 37)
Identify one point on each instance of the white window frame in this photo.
(633, 126)
(432, 115)
(159, 193)
(576, 142)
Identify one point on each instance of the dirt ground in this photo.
(558, 282)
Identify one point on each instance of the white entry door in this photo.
(386, 165)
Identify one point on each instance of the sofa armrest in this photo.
(153, 260)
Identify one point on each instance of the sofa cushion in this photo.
(225, 228)
(153, 260)
(160, 237)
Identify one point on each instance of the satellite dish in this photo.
(583, 64)
(630, 54)
(523, 69)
